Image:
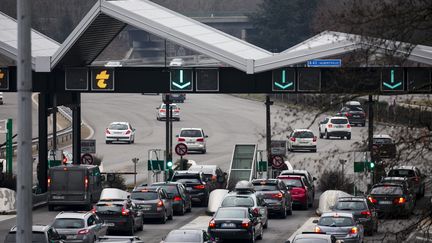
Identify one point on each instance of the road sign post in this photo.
(277, 162)
(9, 150)
(135, 161)
(87, 159)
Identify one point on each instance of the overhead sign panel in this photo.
(309, 79)
(284, 80)
(102, 79)
(4, 79)
(325, 63)
(181, 80)
(392, 79)
(76, 79)
(88, 146)
(419, 79)
(207, 79)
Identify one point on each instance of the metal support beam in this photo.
(54, 121)
(370, 132)
(268, 103)
(42, 174)
(25, 159)
(167, 128)
(76, 128)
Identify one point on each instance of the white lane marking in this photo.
(6, 217)
(201, 222)
(308, 226)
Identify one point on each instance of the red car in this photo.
(300, 193)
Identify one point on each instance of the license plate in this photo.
(304, 142)
(71, 237)
(356, 116)
(385, 202)
(146, 209)
(58, 197)
(189, 188)
(339, 126)
(228, 225)
(110, 224)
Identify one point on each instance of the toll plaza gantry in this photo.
(63, 72)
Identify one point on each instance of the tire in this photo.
(163, 219)
(204, 151)
(189, 209)
(51, 207)
(265, 226)
(170, 217)
(326, 135)
(320, 134)
(306, 205)
(260, 237)
(289, 212)
(363, 124)
(141, 228)
(182, 210)
(107, 142)
(283, 213)
(349, 136)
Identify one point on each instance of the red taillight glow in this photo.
(400, 200)
(348, 114)
(181, 139)
(372, 200)
(293, 139)
(83, 231)
(348, 126)
(200, 140)
(160, 203)
(278, 195)
(317, 229)
(354, 231)
(64, 159)
(330, 125)
(107, 131)
(49, 181)
(314, 139)
(94, 209)
(199, 187)
(162, 110)
(125, 211)
(128, 131)
(177, 198)
(86, 182)
(367, 213)
(212, 224)
(245, 224)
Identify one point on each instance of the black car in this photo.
(181, 198)
(383, 147)
(354, 112)
(362, 209)
(175, 97)
(154, 203)
(391, 199)
(414, 176)
(120, 215)
(276, 196)
(235, 223)
(195, 184)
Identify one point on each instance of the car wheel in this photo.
(163, 219)
(170, 217)
(349, 136)
(141, 228)
(283, 213)
(265, 226)
(320, 134)
(204, 151)
(189, 209)
(107, 142)
(326, 135)
(289, 212)
(260, 237)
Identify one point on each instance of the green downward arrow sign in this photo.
(283, 85)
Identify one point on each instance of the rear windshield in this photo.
(186, 179)
(265, 187)
(292, 182)
(350, 205)
(401, 173)
(190, 133)
(230, 213)
(144, 195)
(237, 202)
(171, 106)
(382, 141)
(66, 181)
(171, 189)
(339, 121)
(355, 108)
(37, 237)
(387, 190)
(117, 126)
(183, 237)
(111, 207)
(303, 134)
(68, 223)
(336, 221)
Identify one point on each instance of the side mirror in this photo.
(206, 136)
(315, 221)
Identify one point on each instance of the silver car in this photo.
(79, 226)
(161, 112)
(342, 225)
(194, 138)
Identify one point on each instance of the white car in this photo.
(176, 62)
(302, 139)
(336, 126)
(120, 132)
(194, 138)
(161, 112)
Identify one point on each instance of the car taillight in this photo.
(212, 224)
(181, 139)
(293, 139)
(177, 111)
(177, 198)
(317, 229)
(314, 139)
(214, 178)
(330, 125)
(400, 200)
(49, 181)
(245, 224)
(277, 195)
(86, 182)
(353, 231)
(200, 140)
(367, 213)
(125, 211)
(348, 114)
(107, 131)
(94, 210)
(348, 126)
(199, 187)
(83, 231)
(160, 203)
(128, 132)
(372, 200)
(65, 160)
(162, 110)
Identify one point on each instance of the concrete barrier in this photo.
(7, 201)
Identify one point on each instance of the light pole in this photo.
(343, 162)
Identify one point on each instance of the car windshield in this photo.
(182, 236)
(230, 213)
(336, 221)
(37, 237)
(237, 202)
(382, 141)
(111, 207)
(350, 205)
(185, 179)
(387, 190)
(265, 187)
(312, 240)
(144, 195)
(118, 126)
(303, 134)
(292, 182)
(401, 173)
(339, 121)
(190, 133)
(68, 224)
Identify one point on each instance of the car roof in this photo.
(404, 167)
(265, 180)
(203, 168)
(119, 123)
(237, 208)
(80, 215)
(295, 171)
(338, 117)
(352, 102)
(166, 183)
(187, 172)
(360, 199)
(382, 136)
(297, 177)
(147, 188)
(302, 130)
(381, 184)
(35, 228)
(395, 178)
(313, 236)
(190, 128)
(337, 214)
(184, 231)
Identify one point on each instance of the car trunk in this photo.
(384, 201)
(338, 232)
(269, 196)
(228, 223)
(70, 234)
(111, 212)
(147, 205)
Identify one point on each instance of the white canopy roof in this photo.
(41, 44)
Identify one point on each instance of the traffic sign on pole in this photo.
(181, 149)
(87, 159)
(277, 162)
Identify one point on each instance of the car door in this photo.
(309, 188)
(102, 228)
(262, 209)
(287, 195)
(185, 195)
(167, 201)
(323, 125)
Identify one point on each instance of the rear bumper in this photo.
(200, 196)
(355, 120)
(231, 234)
(339, 133)
(196, 147)
(306, 146)
(118, 138)
(299, 199)
(119, 224)
(54, 202)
